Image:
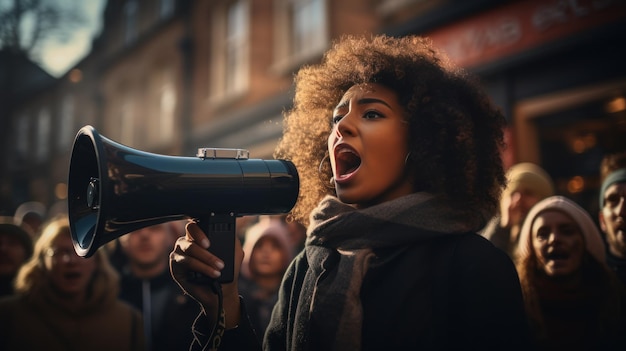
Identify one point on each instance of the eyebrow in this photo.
(363, 101)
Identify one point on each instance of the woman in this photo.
(267, 253)
(65, 302)
(573, 300)
(399, 164)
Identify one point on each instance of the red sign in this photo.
(523, 25)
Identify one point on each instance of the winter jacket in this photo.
(41, 323)
(428, 283)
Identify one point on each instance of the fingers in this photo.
(190, 256)
(195, 234)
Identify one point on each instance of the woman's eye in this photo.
(371, 115)
(542, 234)
(336, 119)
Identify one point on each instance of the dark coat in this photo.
(457, 292)
(171, 311)
(454, 292)
(429, 286)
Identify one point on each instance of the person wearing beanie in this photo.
(527, 184)
(267, 254)
(16, 246)
(612, 219)
(573, 300)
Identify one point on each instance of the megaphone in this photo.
(114, 189)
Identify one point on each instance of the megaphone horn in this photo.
(114, 189)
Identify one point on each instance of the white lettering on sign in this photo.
(505, 31)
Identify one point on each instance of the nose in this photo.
(345, 126)
(68, 257)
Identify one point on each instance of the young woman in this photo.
(399, 164)
(65, 302)
(267, 254)
(573, 300)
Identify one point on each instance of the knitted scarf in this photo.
(340, 247)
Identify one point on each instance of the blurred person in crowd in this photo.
(16, 246)
(66, 302)
(30, 216)
(267, 253)
(527, 184)
(573, 300)
(612, 216)
(147, 285)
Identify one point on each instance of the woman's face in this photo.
(368, 146)
(268, 257)
(558, 243)
(69, 273)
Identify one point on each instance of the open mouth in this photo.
(72, 275)
(346, 160)
(557, 255)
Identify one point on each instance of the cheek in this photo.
(536, 247)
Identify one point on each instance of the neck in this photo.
(269, 282)
(147, 271)
(71, 301)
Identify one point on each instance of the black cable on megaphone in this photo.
(114, 189)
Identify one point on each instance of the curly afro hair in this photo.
(455, 131)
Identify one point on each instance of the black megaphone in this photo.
(114, 189)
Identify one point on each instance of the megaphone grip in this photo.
(220, 230)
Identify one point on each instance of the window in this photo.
(130, 22)
(167, 103)
(43, 134)
(307, 24)
(66, 125)
(163, 107)
(301, 31)
(229, 73)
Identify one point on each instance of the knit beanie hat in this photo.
(593, 241)
(617, 176)
(266, 227)
(8, 227)
(531, 176)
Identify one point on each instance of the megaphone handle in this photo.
(220, 229)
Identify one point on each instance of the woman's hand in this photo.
(191, 255)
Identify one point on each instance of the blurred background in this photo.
(170, 76)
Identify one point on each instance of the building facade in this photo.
(172, 76)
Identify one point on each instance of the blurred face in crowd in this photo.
(268, 257)
(612, 218)
(518, 203)
(558, 243)
(148, 248)
(368, 146)
(69, 273)
(12, 254)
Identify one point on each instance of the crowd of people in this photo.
(408, 233)
(124, 297)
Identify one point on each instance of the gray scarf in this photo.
(339, 249)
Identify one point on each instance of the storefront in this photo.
(558, 70)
